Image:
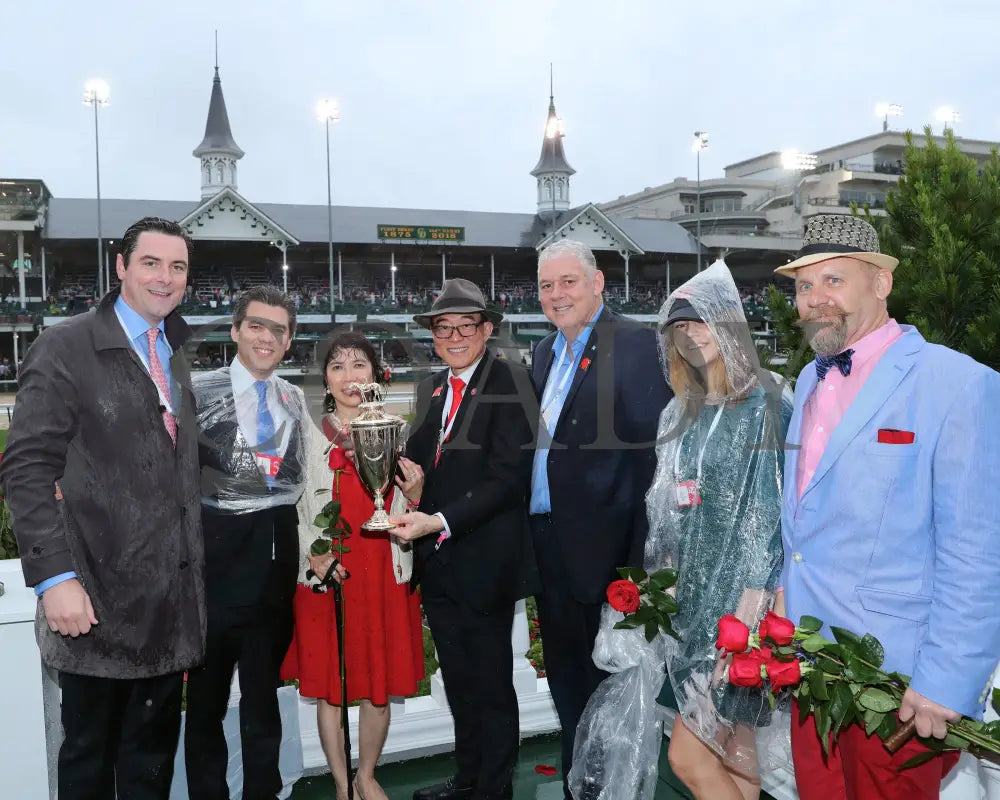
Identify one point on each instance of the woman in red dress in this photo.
(382, 628)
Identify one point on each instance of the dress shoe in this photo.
(451, 789)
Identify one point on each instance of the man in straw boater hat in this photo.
(472, 547)
(886, 524)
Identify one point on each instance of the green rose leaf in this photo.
(823, 724)
(663, 579)
(634, 574)
(322, 521)
(320, 547)
(873, 719)
(814, 643)
(874, 653)
(809, 624)
(652, 630)
(916, 761)
(888, 726)
(859, 671)
(828, 665)
(877, 700)
(817, 685)
(841, 706)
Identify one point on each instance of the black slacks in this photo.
(476, 658)
(120, 737)
(568, 629)
(253, 638)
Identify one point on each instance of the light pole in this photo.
(96, 93)
(328, 111)
(284, 270)
(946, 115)
(392, 292)
(886, 110)
(700, 143)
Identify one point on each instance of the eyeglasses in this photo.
(466, 329)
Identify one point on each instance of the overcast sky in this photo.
(444, 102)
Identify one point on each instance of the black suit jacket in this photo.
(480, 485)
(603, 454)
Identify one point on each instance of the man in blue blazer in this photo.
(601, 390)
(890, 522)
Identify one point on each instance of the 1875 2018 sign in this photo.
(421, 233)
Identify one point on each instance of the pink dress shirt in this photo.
(834, 394)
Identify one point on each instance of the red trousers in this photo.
(859, 767)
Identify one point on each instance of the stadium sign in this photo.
(421, 233)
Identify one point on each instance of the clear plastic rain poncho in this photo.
(724, 538)
(239, 476)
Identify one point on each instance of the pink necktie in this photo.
(160, 379)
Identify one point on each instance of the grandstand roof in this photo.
(75, 218)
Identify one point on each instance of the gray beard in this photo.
(827, 337)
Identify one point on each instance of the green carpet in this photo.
(401, 779)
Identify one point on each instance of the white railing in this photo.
(30, 729)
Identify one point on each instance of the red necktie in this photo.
(457, 387)
(160, 379)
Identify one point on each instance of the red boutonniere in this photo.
(584, 364)
(473, 392)
(437, 392)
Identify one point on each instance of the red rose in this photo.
(624, 596)
(745, 671)
(783, 673)
(763, 654)
(338, 460)
(733, 635)
(778, 629)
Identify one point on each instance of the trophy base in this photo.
(379, 521)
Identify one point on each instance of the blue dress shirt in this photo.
(553, 398)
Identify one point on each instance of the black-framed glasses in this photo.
(466, 329)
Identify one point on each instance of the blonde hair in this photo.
(687, 382)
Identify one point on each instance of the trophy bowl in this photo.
(378, 439)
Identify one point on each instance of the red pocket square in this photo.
(545, 769)
(894, 436)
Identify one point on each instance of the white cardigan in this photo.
(318, 492)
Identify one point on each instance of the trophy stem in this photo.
(380, 519)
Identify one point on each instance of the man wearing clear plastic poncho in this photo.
(714, 513)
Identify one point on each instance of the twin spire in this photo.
(552, 172)
(218, 151)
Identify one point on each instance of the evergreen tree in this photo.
(943, 224)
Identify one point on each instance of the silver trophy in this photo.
(377, 442)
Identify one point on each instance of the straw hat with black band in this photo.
(835, 236)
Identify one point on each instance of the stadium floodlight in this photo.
(885, 110)
(947, 116)
(700, 143)
(97, 93)
(328, 111)
(796, 161)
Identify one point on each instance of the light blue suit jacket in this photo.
(903, 541)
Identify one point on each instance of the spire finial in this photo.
(551, 84)
(216, 50)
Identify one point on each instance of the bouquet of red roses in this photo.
(840, 682)
(644, 600)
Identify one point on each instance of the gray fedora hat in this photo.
(458, 296)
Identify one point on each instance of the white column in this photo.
(392, 276)
(493, 280)
(45, 291)
(20, 269)
(444, 277)
(107, 271)
(340, 278)
(626, 276)
(525, 677)
(15, 345)
(668, 278)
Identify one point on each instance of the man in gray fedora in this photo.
(472, 547)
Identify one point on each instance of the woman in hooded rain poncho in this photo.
(714, 513)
